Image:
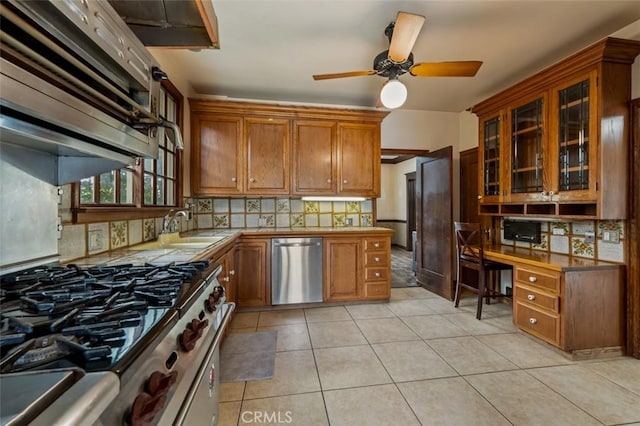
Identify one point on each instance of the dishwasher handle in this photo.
(296, 244)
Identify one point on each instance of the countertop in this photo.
(167, 255)
(543, 259)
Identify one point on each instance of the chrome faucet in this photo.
(170, 220)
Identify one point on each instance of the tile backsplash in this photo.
(570, 238)
(228, 213)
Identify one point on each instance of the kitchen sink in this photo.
(175, 242)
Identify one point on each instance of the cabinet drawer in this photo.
(537, 298)
(377, 259)
(541, 324)
(546, 279)
(376, 274)
(376, 244)
(377, 290)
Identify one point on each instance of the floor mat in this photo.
(248, 356)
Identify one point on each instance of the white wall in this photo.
(632, 31)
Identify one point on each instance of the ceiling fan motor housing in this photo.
(385, 67)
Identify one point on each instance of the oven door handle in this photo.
(205, 369)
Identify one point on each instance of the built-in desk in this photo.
(575, 304)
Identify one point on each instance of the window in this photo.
(152, 182)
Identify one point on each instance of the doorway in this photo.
(411, 209)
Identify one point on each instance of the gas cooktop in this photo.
(96, 318)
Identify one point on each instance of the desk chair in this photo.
(471, 255)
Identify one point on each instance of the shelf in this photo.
(512, 209)
(489, 209)
(574, 142)
(491, 160)
(527, 130)
(526, 169)
(583, 210)
(564, 171)
(577, 102)
(541, 209)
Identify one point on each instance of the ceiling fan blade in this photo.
(405, 33)
(342, 75)
(446, 69)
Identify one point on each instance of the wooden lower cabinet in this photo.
(253, 272)
(573, 309)
(343, 275)
(227, 277)
(357, 268)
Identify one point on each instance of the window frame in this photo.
(87, 213)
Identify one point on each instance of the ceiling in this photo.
(269, 49)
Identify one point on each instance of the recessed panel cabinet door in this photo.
(216, 154)
(253, 268)
(342, 269)
(267, 143)
(314, 163)
(359, 159)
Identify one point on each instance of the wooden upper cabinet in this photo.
(527, 159)
(246, 148)
(217, 154)
(489, 157)
(359, 159)
(574, 149)
(267, 142)
(314, 152)
(565, 140)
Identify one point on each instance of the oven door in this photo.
(200, 404)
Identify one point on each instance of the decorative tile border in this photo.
(569, 238)
(281, 212)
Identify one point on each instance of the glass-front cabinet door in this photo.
(489, 156)
(573, 121)
(527, 151)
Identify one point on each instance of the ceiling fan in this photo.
(398, 60)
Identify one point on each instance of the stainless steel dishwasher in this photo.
(296, 270)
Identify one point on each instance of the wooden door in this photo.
(434, 176)
(469, 186)
(314, 159)
(633, 237)
(267, 142)
(359, 159)
(411, 209)
(343, 274)
(216, 154)
(253, 270)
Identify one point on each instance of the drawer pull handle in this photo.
(377, 259)
(533, 321)
(531, 297)
(376, 245)
(378, 274)
(533, 279)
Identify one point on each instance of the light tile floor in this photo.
(417, 360)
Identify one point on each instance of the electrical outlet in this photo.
(589, 237)
(348, 221)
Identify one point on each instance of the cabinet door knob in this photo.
(377, 259)
(232, 272)
(345, 181)
(531, 297)
(378, 274)
(533, 279)
(252, 180)
(328, 180)
(225, 279)
(233, 179)
(533, 321)
(376, 245)
(479, 197)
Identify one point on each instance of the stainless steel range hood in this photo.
(79, 92)
(189, 24)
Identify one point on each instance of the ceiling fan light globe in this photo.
(393, 94)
